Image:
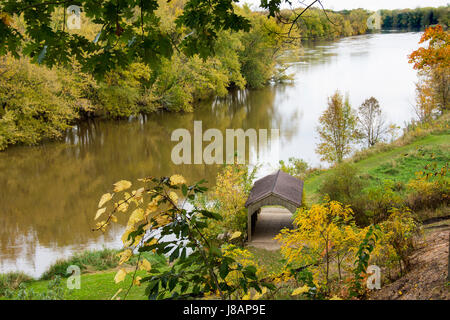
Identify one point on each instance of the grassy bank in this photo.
(98, 269)
(97, 284)
(399, 164)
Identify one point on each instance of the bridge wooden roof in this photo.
(279, 184)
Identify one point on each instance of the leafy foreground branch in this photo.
(159, 224)
(326, 243)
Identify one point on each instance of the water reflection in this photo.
(50, 192)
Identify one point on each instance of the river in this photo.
(49, 193)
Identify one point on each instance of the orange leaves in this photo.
(438, 51)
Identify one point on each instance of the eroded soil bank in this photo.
(427, 279)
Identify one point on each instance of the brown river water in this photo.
(49, 193)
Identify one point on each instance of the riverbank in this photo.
(399, 161)
(97, 268)
(97, 280)
(39, 104)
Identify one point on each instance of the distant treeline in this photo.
(319, 24)
(419, 18)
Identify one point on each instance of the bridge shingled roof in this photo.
(279, 184)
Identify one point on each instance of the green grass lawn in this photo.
(97, 282)
(399, 164)
(270, 260)
(98, 286)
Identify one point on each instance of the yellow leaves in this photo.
(235, 235)
(137, 281)
(162, 220)
(99, 213)
(335, 298)
(121, 185)
(105, 198)
(300, 290)
(177, 179)
(247, 296)
(323, 228)
(6, 18)
(152, 242)
(101, 225)
(153, 205)
(121, 206)
(173, 196)
(125, 235)
(120, 275)
(136, 217)
(125, 256)
(144, 264)
(258, 295)
(137, 194)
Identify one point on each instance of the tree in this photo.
(295, 167)
(393, 131)
(324, 233)
(129, 31)
(337, 129)
(433, 64)
(371, 121)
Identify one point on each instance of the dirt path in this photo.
(270, 221)
(427, 279)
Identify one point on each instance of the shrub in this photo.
(429, 193)
(156, 214)
(344, 185)
(97, 260)
(11, 281)
(397, 239)
(324, 234)
(380, 200)
(228, 198)
(33, 106)
(55, 291)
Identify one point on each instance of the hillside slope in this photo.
(399, 164)
(427, 278)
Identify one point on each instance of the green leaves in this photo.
(362, 259)
(127, 34)
(210, 214)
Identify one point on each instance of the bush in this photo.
(397, 239)
(55, 291)
(11, 281)
(228, 198)
(344, 185)
(32, 104)
(426, 193)
(97, 260)
(380, 200)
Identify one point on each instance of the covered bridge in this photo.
(279, 189)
